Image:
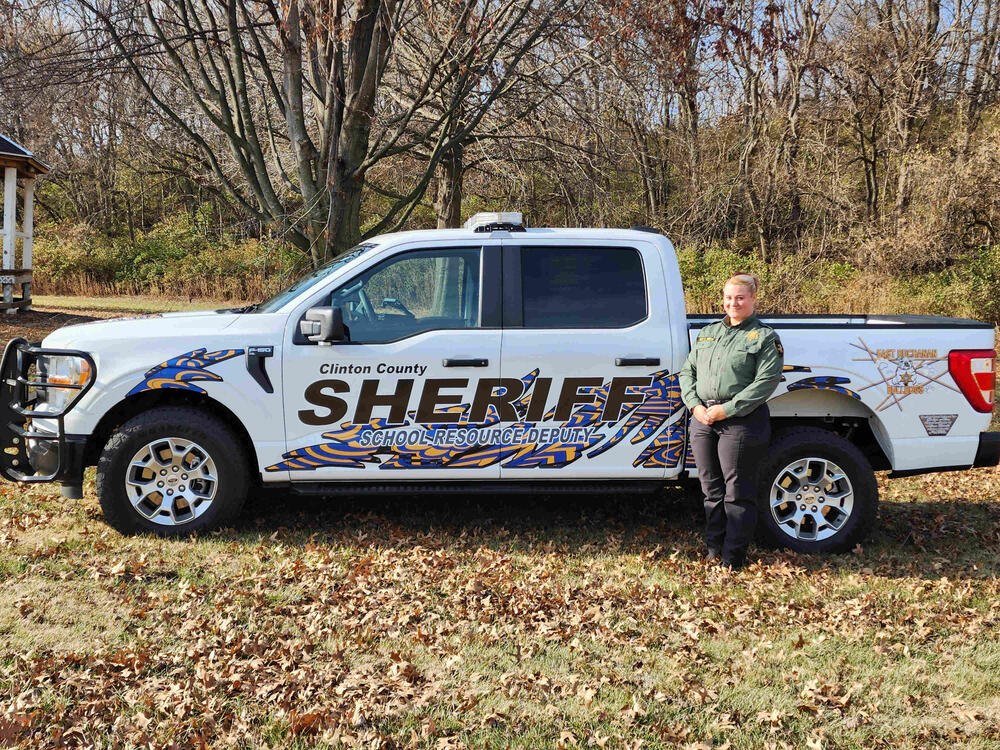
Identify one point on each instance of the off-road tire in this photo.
(179, 422)
(789, 446)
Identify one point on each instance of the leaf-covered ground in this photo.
(486, 621)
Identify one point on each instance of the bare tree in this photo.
(291, 105)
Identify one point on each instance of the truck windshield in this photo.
(276, 302)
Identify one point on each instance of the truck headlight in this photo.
(60, 370)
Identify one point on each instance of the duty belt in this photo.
(713, 402)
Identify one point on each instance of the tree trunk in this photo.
(912, 105)
(448, 204)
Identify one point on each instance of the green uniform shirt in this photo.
(738, 365)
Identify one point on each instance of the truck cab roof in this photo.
(534, 233)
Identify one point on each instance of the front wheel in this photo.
(172, 471)
(817, 492)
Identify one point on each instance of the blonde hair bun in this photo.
(748, 280)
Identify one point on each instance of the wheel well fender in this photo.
(141, 402)
(840, 413)
(855, 429)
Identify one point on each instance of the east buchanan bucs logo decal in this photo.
(904, 372)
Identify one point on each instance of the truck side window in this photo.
(589, 287)
(419, 291)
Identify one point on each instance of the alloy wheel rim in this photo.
(811, 499)
(171, 481)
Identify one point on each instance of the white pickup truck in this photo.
(541, 360)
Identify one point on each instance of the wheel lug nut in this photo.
(802, 507)
(798, 497)
(813, 508)
(170, 492)
(163, 473)
(175, 469)
(159, 484)
(181, 488)
(184, 476)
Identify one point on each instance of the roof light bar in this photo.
(488, 221)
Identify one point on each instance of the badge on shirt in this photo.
(752, 335)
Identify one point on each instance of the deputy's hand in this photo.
(716, 413)
(701, 414)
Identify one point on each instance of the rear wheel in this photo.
(172, 471)
(817, 492)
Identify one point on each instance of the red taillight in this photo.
(975, 375)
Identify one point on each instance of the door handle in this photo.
(637, 361)
(466, 362)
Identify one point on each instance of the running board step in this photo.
(454, 488)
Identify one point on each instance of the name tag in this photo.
(706, 338)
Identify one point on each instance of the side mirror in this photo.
(324, 326)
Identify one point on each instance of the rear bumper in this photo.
(989, 449)
(988, 454)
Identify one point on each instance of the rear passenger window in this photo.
(592, 287)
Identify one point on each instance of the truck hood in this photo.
(141, 328)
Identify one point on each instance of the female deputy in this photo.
(732, 369)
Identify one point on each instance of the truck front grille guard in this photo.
(17, 409)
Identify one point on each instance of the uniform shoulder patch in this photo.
(778, 346)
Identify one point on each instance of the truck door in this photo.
(586, 329)
(398, 401)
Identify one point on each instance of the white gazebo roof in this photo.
(13, 154)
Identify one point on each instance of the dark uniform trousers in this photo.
(728, 454)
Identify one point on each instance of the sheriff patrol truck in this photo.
(541, 360)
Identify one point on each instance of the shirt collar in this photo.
(743, 323)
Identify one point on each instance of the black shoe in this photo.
(713, 553)
(734, 564)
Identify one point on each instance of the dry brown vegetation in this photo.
(486, 621)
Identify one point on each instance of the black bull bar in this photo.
(26, 450)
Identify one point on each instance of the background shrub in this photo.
(173, 258)
(177, 258)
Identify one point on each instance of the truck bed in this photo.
(892, 371)
(852, 321)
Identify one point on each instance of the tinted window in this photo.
(414, 292)
(594, 287)
(312, 278)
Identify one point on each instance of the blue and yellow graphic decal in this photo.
(794, 368)
(183, 371)
(824, 383)
(582, 435)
